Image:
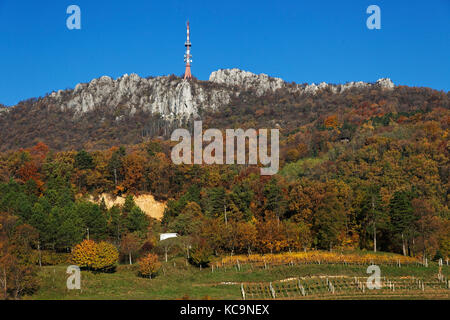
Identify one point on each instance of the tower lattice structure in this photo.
(187, 56)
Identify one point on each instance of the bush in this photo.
(149, 265)
(106, 257)
(99, 257)
(83, 254)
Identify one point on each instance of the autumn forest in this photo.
(367, 169)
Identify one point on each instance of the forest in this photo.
(367, 169)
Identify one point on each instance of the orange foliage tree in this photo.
(149, 265)
(331, 122)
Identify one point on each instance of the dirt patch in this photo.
(150, 206)
(146, 202)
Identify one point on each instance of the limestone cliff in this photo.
(173, 97)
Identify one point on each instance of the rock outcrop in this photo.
(4, 109)
(245, 80)
(169, 96)
(263, 84)
(175, 98)
(384, 83)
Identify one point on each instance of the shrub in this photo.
(100, 257)
(106, 257)
(149, 265)
(83, 254)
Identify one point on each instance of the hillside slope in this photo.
(107, 112)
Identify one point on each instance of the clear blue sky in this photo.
(301, 41)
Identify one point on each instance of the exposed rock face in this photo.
(263, 84)
(246, 80)
(170, 97)
(4, 109)
(384, 83)
(174, 98)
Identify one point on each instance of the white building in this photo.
(164, 236)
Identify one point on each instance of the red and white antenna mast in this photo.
(187, 56)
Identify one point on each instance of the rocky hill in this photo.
(263, 84)
(168, 96)
(107, 112)
(172, 97)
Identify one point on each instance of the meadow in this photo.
(179, 280)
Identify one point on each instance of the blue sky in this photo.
(301, 41)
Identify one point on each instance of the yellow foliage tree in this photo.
(83, 254)
(101, 256)
(106, 257)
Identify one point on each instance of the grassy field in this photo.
(177, 280)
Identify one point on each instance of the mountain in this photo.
(106, 112)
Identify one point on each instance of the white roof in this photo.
(164, 236)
